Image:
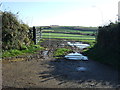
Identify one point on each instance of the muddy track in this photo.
(39, 71)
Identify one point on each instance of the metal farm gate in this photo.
(36, 33)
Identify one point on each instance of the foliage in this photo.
(107, 48)
(15, 52)
(109, 36)
(14, 34)
(61, 51)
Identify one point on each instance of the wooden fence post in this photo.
(37, 34)
(34, 35)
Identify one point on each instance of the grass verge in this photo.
(15, 52)
(61, 52)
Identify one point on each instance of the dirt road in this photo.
(38, 71)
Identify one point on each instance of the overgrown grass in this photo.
(61, 52)
(15, 52)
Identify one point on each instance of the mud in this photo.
(39, 71)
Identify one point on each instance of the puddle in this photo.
(82, 69)
(80, 45)
(76, 56)
(62, 45)
(45, 53)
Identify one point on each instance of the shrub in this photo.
(107, 48)
(61, 51)
(14, 34)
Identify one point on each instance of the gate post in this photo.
(40, 32)
(34, 35)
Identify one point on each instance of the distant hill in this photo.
(64, 28)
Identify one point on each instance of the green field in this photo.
(66, 36)
(67, 30)
(61, 33)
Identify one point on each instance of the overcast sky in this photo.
(64, 12)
